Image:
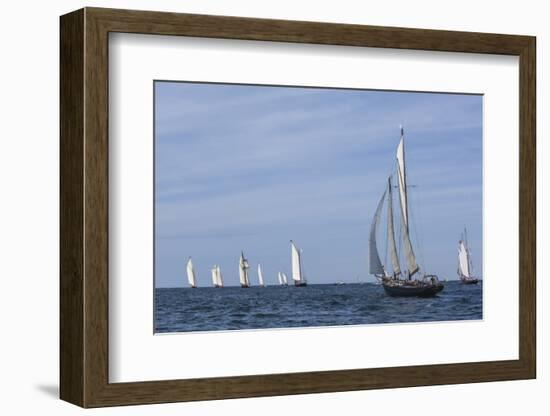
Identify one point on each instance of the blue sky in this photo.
(241, 167)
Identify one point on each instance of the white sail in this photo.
(463, 260)
(391, 233)
(402, 182)
(280, 277)
(191, 273)
(296, 263)
(285, 279)
(243, 271)
(219, 280)
(260, 275)
(375, 265)
(214, 275)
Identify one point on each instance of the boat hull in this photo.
(300, 284)
(422, 291)
(245, 286)
(469, 280)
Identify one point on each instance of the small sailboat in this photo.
(219, 280)
(280, 278)
(285, 279)
(260, 276)
(297, 272)
(217, 276)
(191, 277)
(465, 268)
(398, 283)
(243, 271)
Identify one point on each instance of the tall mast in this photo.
(391, 233)
(412, 265)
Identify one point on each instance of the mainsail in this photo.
(402, 182)
(191, 273)
(280, 277)
(296, 263)
(243, 271)
(260, 275)
(375, 265)
(463, 260)
(391, 233)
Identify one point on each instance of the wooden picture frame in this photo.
(84, 207)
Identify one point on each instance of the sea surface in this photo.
(230, 308)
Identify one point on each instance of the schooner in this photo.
(243, 271)
(398, 282)
(297, 272)
(217, 280)
(465, 268)
(191, 278)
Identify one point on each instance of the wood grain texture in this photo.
(71, 208)
(84, 207)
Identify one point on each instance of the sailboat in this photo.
(191, 278)
(285, 279)
(297, 272)
(219, 280)
(260, 276)
(396, 282)
(465, 269)
(217, 276)
(282, 280)
(243, 271)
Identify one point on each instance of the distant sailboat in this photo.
(191, 278)
(217, 276)
(285, 279)
(260, 276)
(465, 269)
(243, 271)
(396, 283)
(219, 280)
(297, 272)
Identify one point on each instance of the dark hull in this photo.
(245, 286)
(300, 284)
(469, 280)
(423, 291)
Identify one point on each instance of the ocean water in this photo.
(231, 308)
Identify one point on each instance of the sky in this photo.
(245, 167)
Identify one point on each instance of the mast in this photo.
(260, 276)
(191, 273)
(243, 271)
(296, 263)
(391, 233)
(412, 265)
(375, 265)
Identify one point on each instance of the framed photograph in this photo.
(255, 207)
